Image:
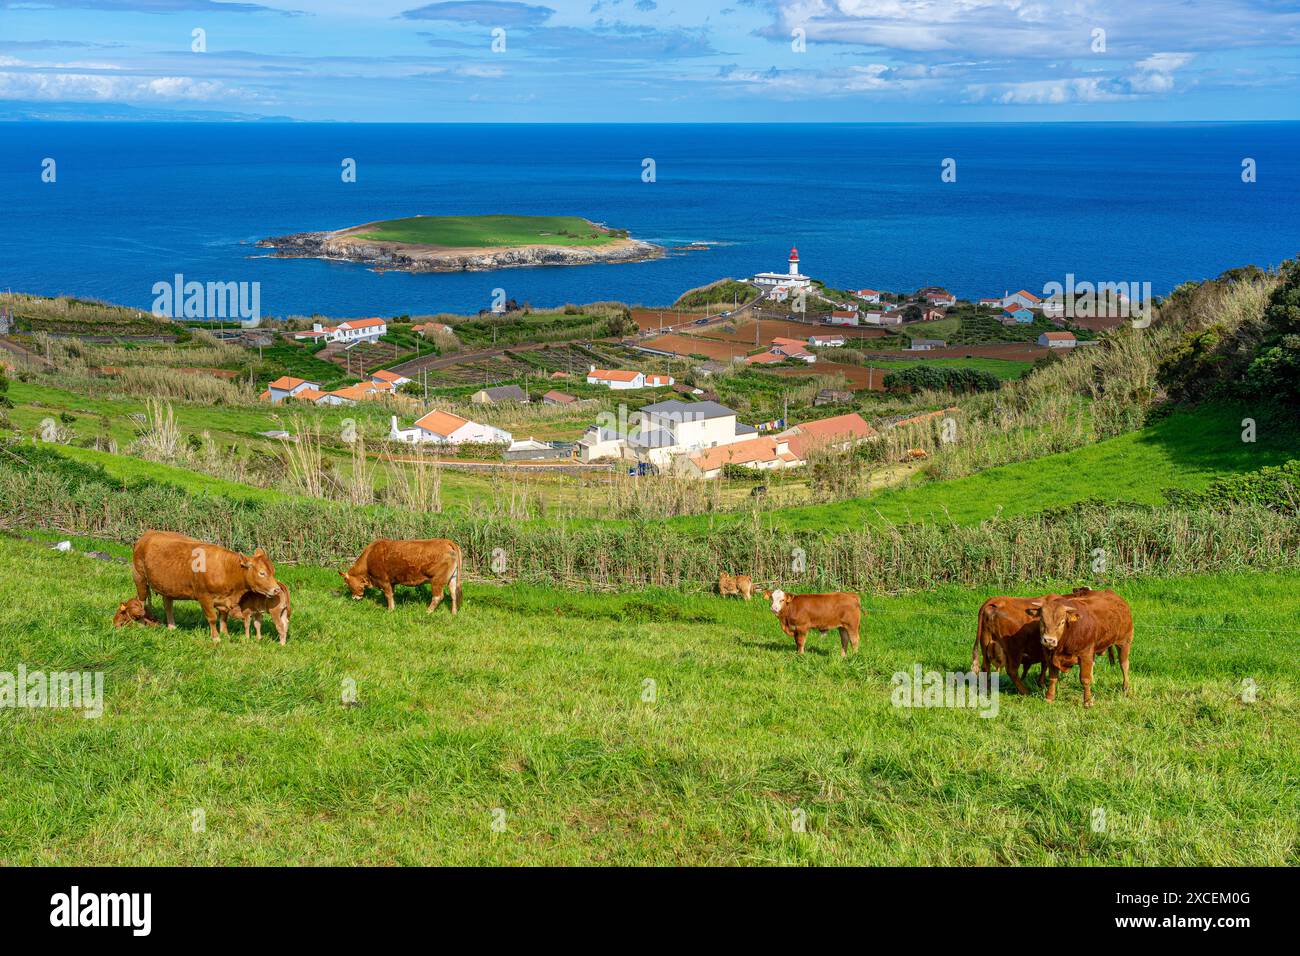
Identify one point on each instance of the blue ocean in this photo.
(134, 204)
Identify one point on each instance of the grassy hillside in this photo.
(486, 231)
(531, 701)
(1189, 449)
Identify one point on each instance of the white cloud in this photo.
(128, 89)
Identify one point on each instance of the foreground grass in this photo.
(531, 701)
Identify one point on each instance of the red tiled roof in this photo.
(441, 423)
(613, 375)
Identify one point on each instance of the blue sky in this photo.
(654, 60)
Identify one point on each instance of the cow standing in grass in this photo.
(740, 585)
(1075, 629)
(1007, 637)
(179, 567)
(386, 563)
(252, 606)
(801, 613)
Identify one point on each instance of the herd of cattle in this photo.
(1012, 634)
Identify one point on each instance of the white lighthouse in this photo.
(793, 279)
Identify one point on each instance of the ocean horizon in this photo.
(135, 203)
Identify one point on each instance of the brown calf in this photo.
(1075, 629)
(252, 606)
(737, 584)
(133, 611)
(801, 613)
(179, 567)
(385, 563)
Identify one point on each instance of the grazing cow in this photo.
(179, 567)
(385, 563)
(133, 611)
(1075, 629)
(1007, 637)
(801, 613)
(738, 584)
(253, 605)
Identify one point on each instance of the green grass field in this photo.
(529, 709)
(486, 231)
(1005, 369)
(1187, 450)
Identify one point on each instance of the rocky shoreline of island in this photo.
(346, 245)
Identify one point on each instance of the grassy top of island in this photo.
(481, 232)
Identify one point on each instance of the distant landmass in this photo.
(468, 243)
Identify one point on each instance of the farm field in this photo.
(1002, 368)
(479, 232)
(531, 708)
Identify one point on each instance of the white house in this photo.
(1022, 298)
(286, 386)
(623, 380)
(666, 431)
(793, 279)
(793, 348)
(1058, 340)
(766, 453)
(868, 295)
(882, 318)
(390, 380)
(355, 330)
(825, 341)
(444, 428)
(845, 317)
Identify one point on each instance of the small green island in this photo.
(468, 243)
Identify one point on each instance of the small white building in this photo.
(874, 317)
(792, 279)
(286, 386)
(868, 295)
(444, 428)
(352, 331)
(1022, 298)
(826, 341)
(1058, 340)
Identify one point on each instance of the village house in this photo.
(882, 318)
(391, 380)
(770, 357)
(765, 453)
(558, 398)
(286, 386)
(827, 434)
(1058, 340)
(825, 341)
(499, 394)
(925, 345)
(1026, 299)
(940, 297)
(623, 380)
(1016, 313)
(868, 295)
(793, 348)
(430, 328)
(930, 315)
(597, 443)
(356, 330)
(665, 431)
(844, 317)
(993, 303)
(444, 428)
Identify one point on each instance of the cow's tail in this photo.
(978, 645)
(454, 584)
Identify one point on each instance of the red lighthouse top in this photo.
(794, 254)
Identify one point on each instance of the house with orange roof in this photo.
(765, 453)
(1022, 298)
(431, 328)
(286, 386)
(793, 348)
(868, 295)
(624, 379)
(351, 394)
(443, 428)
(837, 433)
(387, 379)
(1058, 340)
(554, 397)
(351, 331)
(764, 358)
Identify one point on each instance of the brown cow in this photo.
(385, 563)
(133, 611)
(1075, 629)
(180, 567)
(253, 605)
(1006, 636)
(738, 584)
(801, 613)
